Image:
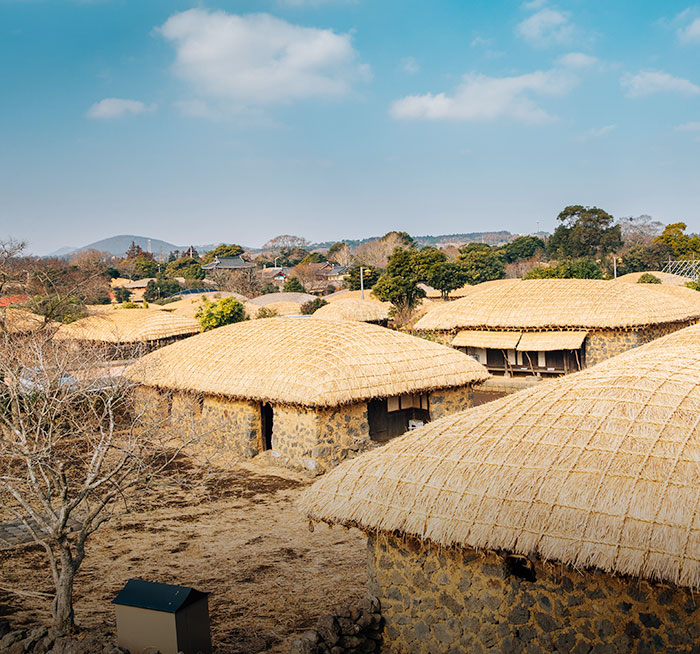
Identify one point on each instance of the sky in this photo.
(235, 121)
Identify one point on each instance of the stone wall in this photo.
(605, 343)
(450, 400)
(318, 439)
(459, 600)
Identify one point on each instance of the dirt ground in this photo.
(240, 538)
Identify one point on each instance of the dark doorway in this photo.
(266, 425)
(385, 425)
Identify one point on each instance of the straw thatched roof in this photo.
(21, 321)
(306, 361)
(462, 291)
(129, 326)
(346, 294)
(600, 468)
(683, 292)
(274, 298)
(664, 277)
(355, 309)
(480, 338)
(280, 308)
(560, 303)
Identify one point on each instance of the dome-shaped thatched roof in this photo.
(274, 298)
(560, 303)
(129, 326)
(355, 309)
(21, 321)
(600, 468)
(663, 277)
(280, 308)
(306, 361)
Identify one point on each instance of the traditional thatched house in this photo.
(563, 518)
(277, 309)
(663, 277)
(355, 309)
(129, 332)
(310, 390)
(274, 298)
(16, 321)
(554, 326)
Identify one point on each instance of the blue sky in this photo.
(237, 121)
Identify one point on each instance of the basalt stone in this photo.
(650, 620)
(546, 622)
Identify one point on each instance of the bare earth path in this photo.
(241, 539)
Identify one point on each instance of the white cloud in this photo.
(196, 109)
(546, 27)
(691, 32)
(410, 65)
(479, 41)
(577, 60)
(649, 82)
(689, 127)
(534, 4)
(117, 108)
(259, 59)
(598, 132)
(480, 97)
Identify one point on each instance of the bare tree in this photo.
(639, 230)
(376, 253)
(341, 255)
(74, 447)
(286, 242)
(245, 282)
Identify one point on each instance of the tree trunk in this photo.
(62, 607)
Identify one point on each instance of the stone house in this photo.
(562, 518)
(312, 391)
(550, 327)
(128, 333)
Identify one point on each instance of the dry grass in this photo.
(240, 537)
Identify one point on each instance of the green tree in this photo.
(581, 268)
(160, 287)
(447, 276)
(313, 257)
(369, 277)
(293, 285)
(222, 251)
(481, 263)
(267, 288)
(680, 244)
(398, 284)
(584, 232)
(648, 278)
(523, 247)
(122, 294)
(424, 260)
(185, 267)
(312, 305)
(225, 311)
(144, 267)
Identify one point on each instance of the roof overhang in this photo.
(549, 341)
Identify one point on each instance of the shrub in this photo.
(225, 311)
(648, 278)
(264, 312)
(312, 305)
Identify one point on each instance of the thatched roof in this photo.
(599, 468)
(274, 298)
(560, 303)
(345, 294)
(129, 326)
(355, 309)
(280, 308)
(306, 361)
(20, 321)
(462, 291)
(664, 277)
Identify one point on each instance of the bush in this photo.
(225, 311)
(648, 278)
(694, 285)
(293, 285)
(312, 305)
(122, 294)
(264, 312)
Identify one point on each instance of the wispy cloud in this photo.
(546, 27)
(483, 98)
(577, 60)
(650, 82)
(534, 5)
(117, 108)
(409, 65)
(690, 32)
(260, 59)
(597, 132)
(689, 127)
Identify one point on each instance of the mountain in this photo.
(118, 245)
(492, 238)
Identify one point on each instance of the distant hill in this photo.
(492, 238)
(118, 245)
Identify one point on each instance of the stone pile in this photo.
(40, 640)
(352, 630)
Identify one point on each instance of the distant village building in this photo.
(312, 391)
(128, 332)
(549, 327)
(228, 263)
(559, 519)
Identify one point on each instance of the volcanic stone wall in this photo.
(459, 600)
(450, 400)
(605, 343)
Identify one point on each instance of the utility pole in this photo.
(362, 283)
(615, 267)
